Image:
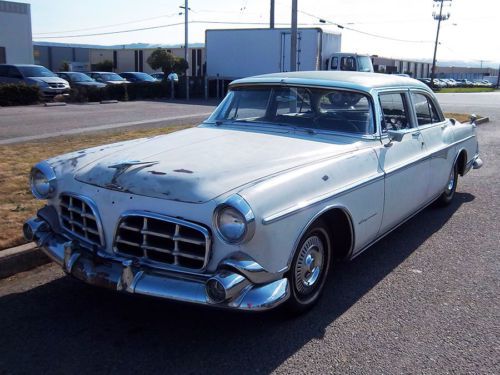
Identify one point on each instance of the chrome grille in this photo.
(163, 239)
(80, 219)
(56, 85)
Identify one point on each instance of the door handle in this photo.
(415, 135)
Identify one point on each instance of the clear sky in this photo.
(472, 33)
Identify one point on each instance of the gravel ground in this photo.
(423, 300)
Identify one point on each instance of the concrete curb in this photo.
(21, 258)
(482, 120)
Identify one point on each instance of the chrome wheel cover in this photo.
(309, 265)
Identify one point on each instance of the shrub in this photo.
(19, 94)
(122, 92)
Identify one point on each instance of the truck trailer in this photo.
(237, 53)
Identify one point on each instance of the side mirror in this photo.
(473, 119)
(395, 135)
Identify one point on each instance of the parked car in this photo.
(171, 77)
(137, 77)
(77, 79)
(108, 78)
(249, 210)
(49, 83)
(158, 76)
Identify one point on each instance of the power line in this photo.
(325, 21)
(165, 26)
(107, 26)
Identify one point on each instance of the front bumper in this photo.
(244, 284)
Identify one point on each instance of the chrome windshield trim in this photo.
(300, 206)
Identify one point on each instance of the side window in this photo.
(3, 71)
(425, 110)
(335, 63)
(13, 72)
(348, 63)
(394, 111)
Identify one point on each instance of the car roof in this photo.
(354, 80)
(102, 72)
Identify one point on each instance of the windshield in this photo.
(111, 77)
(144, 77)
(79, 77)
(365, 64)
(35, 71)
(309, 108)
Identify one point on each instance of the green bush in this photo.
(19, 94)
(122, 92)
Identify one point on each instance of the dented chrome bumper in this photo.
(239, 283)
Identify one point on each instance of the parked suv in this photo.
(49, 83)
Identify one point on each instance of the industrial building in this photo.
(415, 69)
(126, 58)
(15, 33)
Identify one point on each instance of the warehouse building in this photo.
(415, 69)
(127, 58)
(15, 33)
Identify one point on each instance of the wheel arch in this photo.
(340, 228)
(461, 161)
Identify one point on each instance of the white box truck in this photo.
(237, 53)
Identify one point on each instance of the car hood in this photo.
(49, 79)
(95, 84)
(199, 164)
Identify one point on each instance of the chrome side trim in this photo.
(378, 238)
(300, 206)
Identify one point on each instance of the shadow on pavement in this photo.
(67, 327)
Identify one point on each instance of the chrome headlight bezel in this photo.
(237, 204)
(42, 173)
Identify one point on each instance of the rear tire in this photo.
(309, 269)
(451, 186)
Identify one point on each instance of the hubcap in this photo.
(309, 264)
(451, 181)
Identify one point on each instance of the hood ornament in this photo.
(122, 167)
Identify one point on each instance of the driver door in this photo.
(403, 161)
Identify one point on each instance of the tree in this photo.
(64, 66)
(161, 59)
(180, 65)
(167, 62)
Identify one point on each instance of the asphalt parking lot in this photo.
(422, 300)
(18, 124)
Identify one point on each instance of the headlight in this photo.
(234, 220)
(43, 181)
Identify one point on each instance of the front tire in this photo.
(451, 186)
(309, 269)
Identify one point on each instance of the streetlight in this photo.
(438, 17)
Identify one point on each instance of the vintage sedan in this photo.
(253, 208)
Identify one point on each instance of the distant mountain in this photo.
(116, 46)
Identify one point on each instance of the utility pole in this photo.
(271, 16)
(186, 44)
(439, 17)
(293, 39)
(498, 77)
